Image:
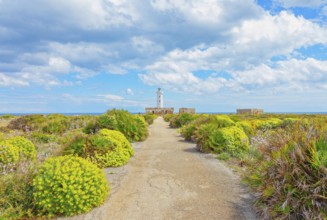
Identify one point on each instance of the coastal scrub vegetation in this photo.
(51, 165)
(282, 157)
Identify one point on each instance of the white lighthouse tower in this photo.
(159, 98)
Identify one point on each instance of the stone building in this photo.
(187, 110)
(159, 110)
(250, 111)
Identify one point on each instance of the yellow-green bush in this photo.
(181, 119)
(149, 118)
(117, 135)
(202, 135)
(232, 140)
(133, 127)
(224, 121)
(68, 185)
(103, 121)
(107, 148)
(188, 131)
(9, 154)
(269, 123)
(26, 148)
(246, 126)
(167, 117)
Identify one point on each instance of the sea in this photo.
(100, 113)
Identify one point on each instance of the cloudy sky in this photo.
(215, 55)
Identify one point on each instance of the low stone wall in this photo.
(159, 111)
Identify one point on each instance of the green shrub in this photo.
(232, 140)
(246, 126)
(56, 127)
(290, 174)
(142, 128)
(26, 148)
(103, 121)
(167, 117)
(119, 137)
(270, 123)
(181, 119)
(28, 122)
(223, 156)
(9, 154)
(68, 185)
(188, 131)
(149, 118)
(7, 116)
(202, 135)
(133, 127)
(77, 145)
(16, 193)
(40, 137)
(107, 148)
(224, 121)
(289, 121)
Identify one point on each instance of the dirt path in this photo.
(168, 179)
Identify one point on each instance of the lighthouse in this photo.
(159, 98)
(159, 110)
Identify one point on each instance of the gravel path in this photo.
(168, 179)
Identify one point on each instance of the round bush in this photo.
(117, 135)
(26, 147)
(9, 154)
(107, 148)
(233, 140)
(68, 185)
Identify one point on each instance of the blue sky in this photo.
(215, 55)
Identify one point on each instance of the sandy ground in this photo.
(168, 179)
